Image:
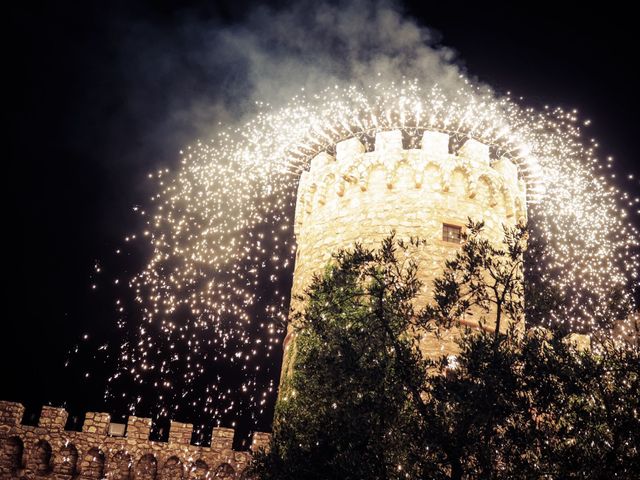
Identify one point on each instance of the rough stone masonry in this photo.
(48, 451)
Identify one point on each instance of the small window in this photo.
(451, 233)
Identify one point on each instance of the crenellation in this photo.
(53, 418)
(222, 438)
(321, 160)
(180, 433)
(522, 187)
(348, 150)
(96, 422)
(50, 452)
(11, 413)
(435, 144)
(138, 428)
(431, 168)
(389, 142)
(579, 341)
(475, 151)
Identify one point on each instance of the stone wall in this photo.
(48, 451)
(360, 196)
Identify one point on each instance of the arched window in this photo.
(93, 464)
(172, 470)
(225, 471)
(66, 461)
(120, 466)
(199, 470)
(41, 458)
(11, 450)
(146, 468)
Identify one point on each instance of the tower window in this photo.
(451, 233)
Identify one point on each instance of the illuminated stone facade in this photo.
(360, 196)
(103, 451)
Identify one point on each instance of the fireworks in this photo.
(215, 288)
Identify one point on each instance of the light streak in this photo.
(220, 234)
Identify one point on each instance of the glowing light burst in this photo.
(220, 229)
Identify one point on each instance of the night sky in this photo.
(102, 93)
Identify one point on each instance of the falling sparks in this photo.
(220, 229)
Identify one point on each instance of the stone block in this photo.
(475, 151)
(180, 433)
(348, 149)
(11, 413)
(53, 418)
(435, 143)
(222, 438)
(138, 428)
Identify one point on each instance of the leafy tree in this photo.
(535, 408)
(346, 411)
(482, 278)
(362, 402)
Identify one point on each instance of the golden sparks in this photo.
(220, 229)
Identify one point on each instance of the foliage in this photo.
(346, 407)
(482, 278)
(362, 402)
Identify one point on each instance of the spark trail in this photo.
(215, 288)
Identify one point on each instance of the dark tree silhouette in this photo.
(362, 402)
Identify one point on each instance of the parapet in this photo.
(95, 422)
(11, 413)
(475, 151)
(389, 142)
(54, 418)
(139, 428)
(222, 438)
(433, 163)
(180, 433)
(50, 451)
(435, 144)
(347, 150)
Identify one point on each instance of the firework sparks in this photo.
(215, 288)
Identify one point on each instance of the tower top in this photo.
(434, 163)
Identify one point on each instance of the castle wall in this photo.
(360, 196)
(48, 451)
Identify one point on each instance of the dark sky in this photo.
(86, 113)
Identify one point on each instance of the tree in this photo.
(482, 278)
(346, 410)
(536, 408)
(362, 402)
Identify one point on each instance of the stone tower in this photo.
(360, 196)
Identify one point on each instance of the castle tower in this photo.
(430, 193)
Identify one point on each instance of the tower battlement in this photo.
(431, 168)
(110, 450)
